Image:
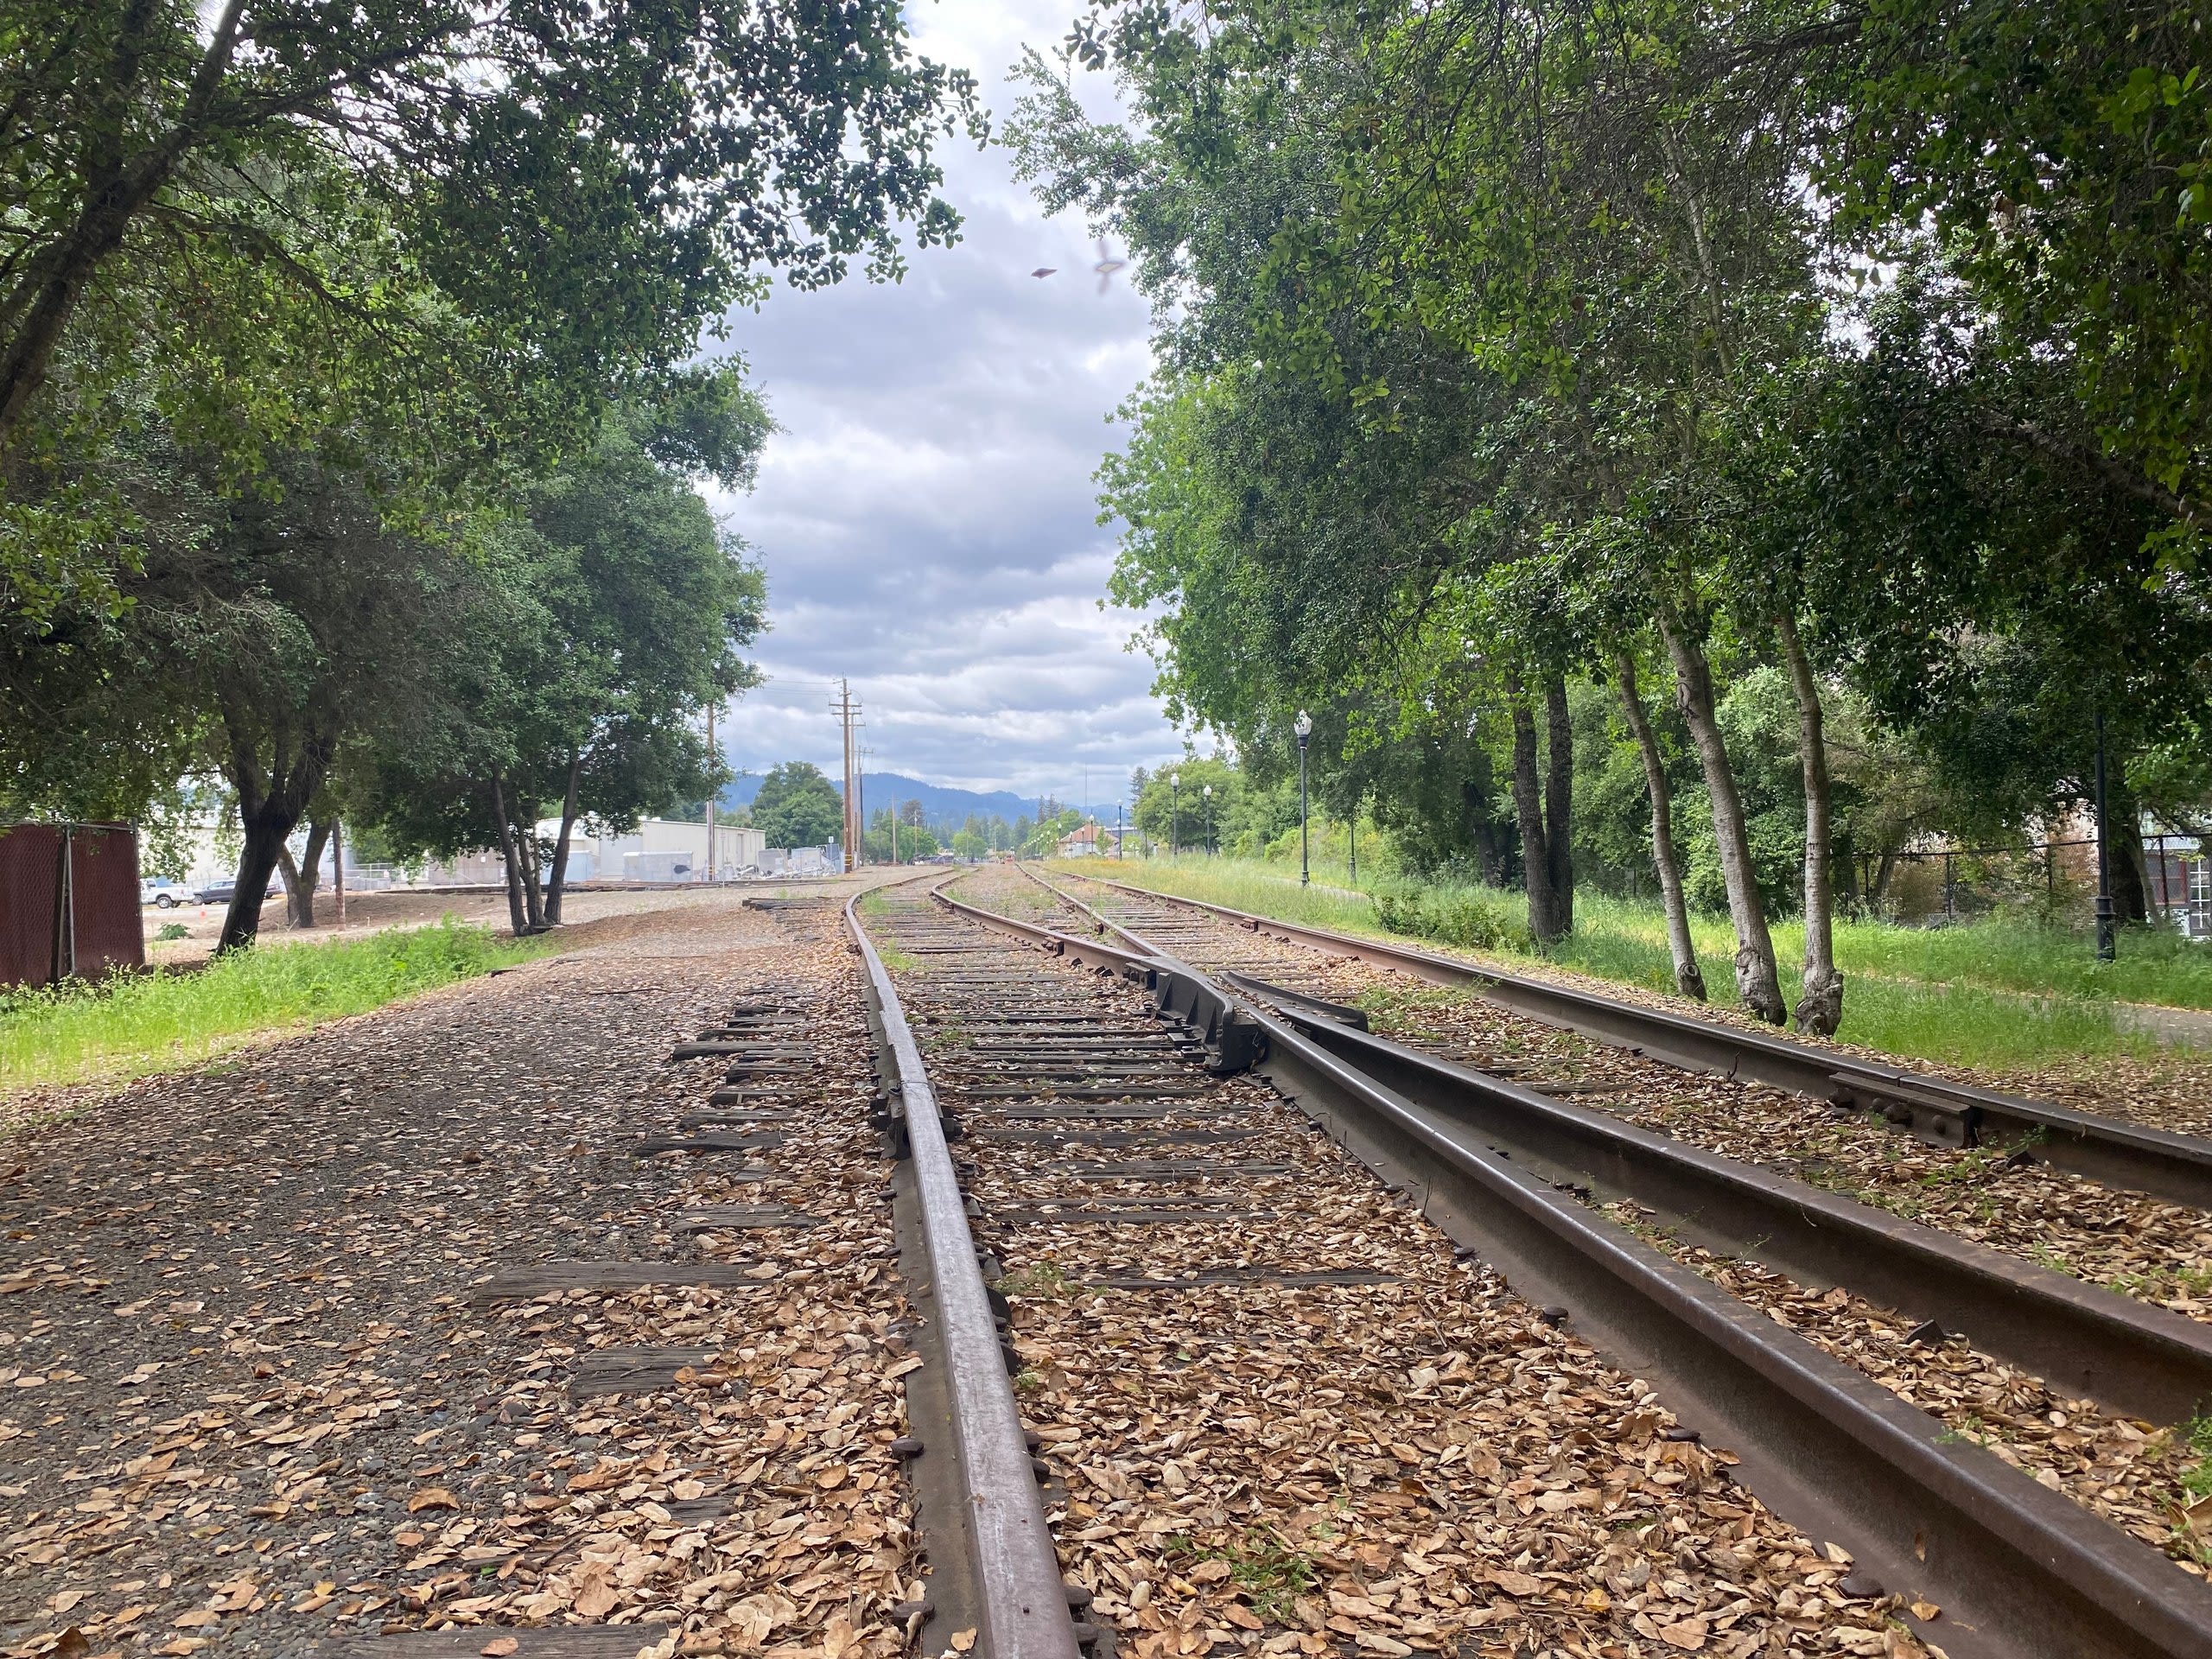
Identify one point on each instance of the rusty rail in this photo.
(1005, 1551)
(2017, 1569)
(2176, 1167)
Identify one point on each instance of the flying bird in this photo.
(1107, 265)
(1045, 271)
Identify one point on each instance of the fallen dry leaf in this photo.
(499, 1647)
(432, 1498)
(964, 1640)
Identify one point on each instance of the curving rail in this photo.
(2168, 1165)
(2019, 1569)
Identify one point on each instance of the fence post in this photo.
(65, 910)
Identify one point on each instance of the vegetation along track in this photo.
(2016, 1566)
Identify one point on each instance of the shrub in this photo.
(1480, 918)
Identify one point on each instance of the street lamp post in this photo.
(1304, 726)
(1174, 814)
(2105, 950)
(1208, 792)
(1355, 841)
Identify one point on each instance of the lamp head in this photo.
(1175, 779)
(1303, 725)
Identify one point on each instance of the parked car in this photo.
(218, 893)
(165, 894)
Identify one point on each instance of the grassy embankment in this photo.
(155, 1023)
(2002, 994)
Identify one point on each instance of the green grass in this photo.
(2193, 1537)
(2003, 994)
(1263, 1566)
(146, 1023)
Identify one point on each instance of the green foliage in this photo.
(133, 1026)
(1497, 350)
(1999, 995)
(2063, 153)
(914, 840)
(462, 228)
(1481, 918)
(1262, 1564)
(798, 806)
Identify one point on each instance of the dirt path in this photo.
(253, 1392)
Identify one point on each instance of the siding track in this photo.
(1942, 1112)
(2018, 1568)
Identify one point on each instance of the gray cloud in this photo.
(926, 516)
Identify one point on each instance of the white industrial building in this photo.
(659, 849)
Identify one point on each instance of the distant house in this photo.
(1084, 841)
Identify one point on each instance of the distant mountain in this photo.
(941, 805)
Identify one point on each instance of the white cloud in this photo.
(926, 516)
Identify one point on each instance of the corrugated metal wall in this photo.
(68, 902)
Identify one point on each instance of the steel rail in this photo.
(2016, 1569)
(2131, 1356)
(1011, 1561)
(2178, 1168)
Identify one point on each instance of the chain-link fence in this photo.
(2056, 880)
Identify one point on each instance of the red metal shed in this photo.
(68, 902)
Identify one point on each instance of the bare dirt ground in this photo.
(251, 1396)
(369, 912)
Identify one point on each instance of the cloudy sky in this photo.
(927, 515)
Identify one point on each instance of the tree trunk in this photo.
(516, 919)
(270, 804)
(1487, 859)
(303, 878)
(1819, 1001)
(533, 892)
(559, 882)
(1559, 804)
(1528, 805)
(266, 831)
(2131, 870)
(1689, 978)
(288, 872)
(1757, 983)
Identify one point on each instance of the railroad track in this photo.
(1122, 1168)
(1936, 1110)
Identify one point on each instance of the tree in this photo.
(798, 806)
(2058, 153)
(585, 188)
(263, 634)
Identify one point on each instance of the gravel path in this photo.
(255, 1390)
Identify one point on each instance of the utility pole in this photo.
(713, 757)
(860, 804)
(848, 713)
(2105, 951)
